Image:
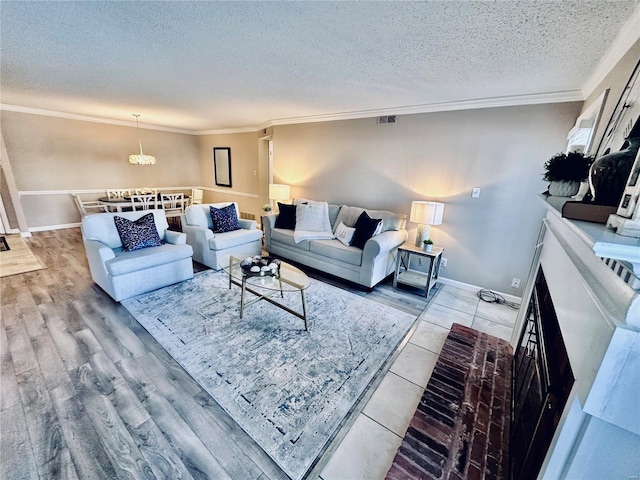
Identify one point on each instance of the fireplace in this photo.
(541, 384)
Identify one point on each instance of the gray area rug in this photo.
(287, 388)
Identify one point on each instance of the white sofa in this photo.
(366, 267)
(213, 249)
(126, 274)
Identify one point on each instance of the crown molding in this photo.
(223, 131)
(507, 101)
(491, 102)
(89, 118)
(628, 35)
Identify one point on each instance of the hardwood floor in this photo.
(86, 392)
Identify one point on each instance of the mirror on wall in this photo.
(222, 166)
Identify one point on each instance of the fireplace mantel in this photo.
(590, 245)
(598, 313)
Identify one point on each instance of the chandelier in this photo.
(141, 159)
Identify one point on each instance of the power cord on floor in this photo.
(493, 297)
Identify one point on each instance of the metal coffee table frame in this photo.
(234, 262)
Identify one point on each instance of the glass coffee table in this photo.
(266, 285)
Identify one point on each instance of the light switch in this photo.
(475, 193)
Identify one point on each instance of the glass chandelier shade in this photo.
(141, 159)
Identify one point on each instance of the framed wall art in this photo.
(222, 166)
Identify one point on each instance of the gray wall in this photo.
(48, 153)
(440, 157)
(245, 170)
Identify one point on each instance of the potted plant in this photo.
(565, 171)
(266, 207)
(427, 245)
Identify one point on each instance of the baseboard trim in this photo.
(45, 228)
(474, 288)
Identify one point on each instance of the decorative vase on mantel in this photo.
(608, 174)
(563, 189)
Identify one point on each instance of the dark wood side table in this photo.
(417, 278)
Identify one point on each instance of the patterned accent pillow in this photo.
(137, 234)
(224, 219)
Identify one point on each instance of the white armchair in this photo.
(126, 274)
(213, 249)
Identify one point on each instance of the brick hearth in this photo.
(460, 429)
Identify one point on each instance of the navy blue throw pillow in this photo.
(287, 217)
(224, 219)
(137, 234)
(365, 227)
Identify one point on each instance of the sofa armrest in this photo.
(98, 252)
(383, 243)
(269, 221)
(175, 238)
(197, 235)
(198, 238)
(97, 255)
(268, 224)
(247, 224)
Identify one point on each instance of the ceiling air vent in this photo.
(387, 119)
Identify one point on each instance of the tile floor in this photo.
(368, 449)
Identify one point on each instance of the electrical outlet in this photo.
(515, 283)
(443, 262)
(475, 193)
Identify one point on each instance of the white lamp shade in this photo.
(426, 213)
(278, 191)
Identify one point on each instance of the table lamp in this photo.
(425, 214)
(278, 191)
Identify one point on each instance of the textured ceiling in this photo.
(213, 65)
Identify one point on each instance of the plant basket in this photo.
(563, 189)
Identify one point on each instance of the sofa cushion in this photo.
(196, 216)
(334, 210)
(127, 262)
(390, 221)
(286, 217)
(312, 222)
(334, 249)
(235, 238)
(224, 219)
(344, 233)
(365, 229)
(137, 234)
(284, 236)
(326, 220)
(312, 217)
